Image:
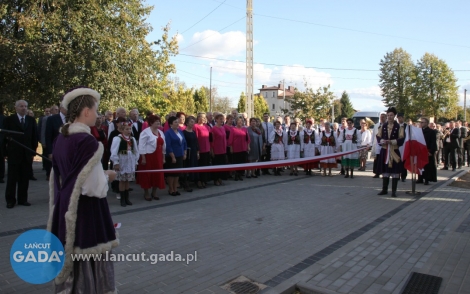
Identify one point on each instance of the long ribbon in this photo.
(254, 165)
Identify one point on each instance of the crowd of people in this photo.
(133, 145)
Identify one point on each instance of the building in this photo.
(274, 97)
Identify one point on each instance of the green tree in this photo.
(241, 103)
(181, 99)
(48, 47)
(436, 90)
(396, 79)
(347, 109)
(310, 103)
(222, 104)
(201, 103)
(260, 106)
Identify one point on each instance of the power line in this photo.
(212, 79)
(299, 66)
(212, 34)
(203, 17)
(276, 73)
(347, 29)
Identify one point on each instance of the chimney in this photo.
(291, 89)
(263, 86)
(279, 86)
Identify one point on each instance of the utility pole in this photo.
(210, 92)
(249, 59)
(284, 92)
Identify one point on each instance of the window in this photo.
(273, 94)
(265, 94)
(274, 106)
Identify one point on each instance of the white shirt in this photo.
(62, 116)
(148, 141)
(366, 138)
(20, 117)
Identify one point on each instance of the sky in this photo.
(318, 43)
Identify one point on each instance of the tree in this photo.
(436, 90)
(222, 105)
(396, 79)
(181, 99)
(241, 103)
(48, 47)
(310, 103)
(201, 103)
(347, 109)
(260, 106)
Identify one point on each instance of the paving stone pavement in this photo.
(265, 229)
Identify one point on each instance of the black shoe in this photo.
(383, 192)
(426, 183)
(127, 198)
(376, 177)
(403, 180)
(445, 168)
(10, 205)
(32, 178)
(236, 178)
(173, 194)
(123, 198)
(25, 204)
(177, 193)
(453, 169)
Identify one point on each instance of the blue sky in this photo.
(294, 36)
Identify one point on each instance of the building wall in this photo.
(278, 103)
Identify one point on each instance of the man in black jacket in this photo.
(461, 150)
(53, 125)
(451, 144)
(19, 158)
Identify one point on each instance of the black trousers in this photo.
(467, 151)
(266, 156)
(461, 155)
(452, 153)
(404, 171)
(375, 168)
(2, 165)
(18, 174)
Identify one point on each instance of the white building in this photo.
(274, 97)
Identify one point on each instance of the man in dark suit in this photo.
(451, 144)
(53, 124)
(2, 155)
(19, 158)
(461, 150)
(401, 122)
(136, 124)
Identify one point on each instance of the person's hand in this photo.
(198, 156)
(111, 175)
(143, 162)
(173, 160)
(50, 156)
(184, 157)
(116, 167)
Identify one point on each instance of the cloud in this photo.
(179, 38)
(366, 99)
(213, 44)
(462, 96)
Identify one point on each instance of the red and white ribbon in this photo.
(253, 165)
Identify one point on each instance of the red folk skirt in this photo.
(153, 161)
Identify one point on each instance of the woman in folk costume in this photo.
(257, 143)
(125, 156)
(152, 156)
(350, 138)
(310, 145)
(79, 214)
(366, 136)
(293, 142)
(390, 137)
(276, 139)
(328, 142)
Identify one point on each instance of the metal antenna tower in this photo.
(249, 59)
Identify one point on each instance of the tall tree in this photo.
(47, 47)
(396, 79)
(260, 106)
(222, 105)
(310, 103)
(436, 90)
(201, 102)
(241, 103)
(347, 109)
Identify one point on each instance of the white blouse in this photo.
(148, 141)
(96, 184)
(366, 138)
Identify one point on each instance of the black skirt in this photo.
(239, 157)
(170, 165)
(219, 159)
(204, 160)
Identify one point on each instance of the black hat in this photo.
(400, 114)
(392, 109)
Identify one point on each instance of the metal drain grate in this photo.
(244, 288)
(243, 285)
(422, 284)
